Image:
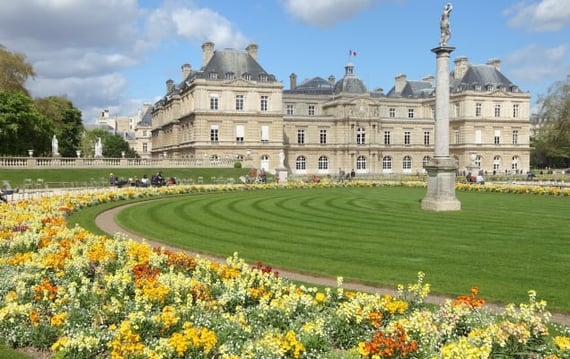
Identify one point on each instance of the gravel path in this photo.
(106, 221)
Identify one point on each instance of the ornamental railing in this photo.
(70, 162)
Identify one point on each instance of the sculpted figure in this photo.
(444, 25)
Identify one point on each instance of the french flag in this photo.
(351, 53)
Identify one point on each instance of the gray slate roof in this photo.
(314, 86)
(350, 83)
(480, 77)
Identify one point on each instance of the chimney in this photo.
(461, 66)
(252, 50)
(429, 78)
(186, 68)
(332, 80)
(169, 86)
(207, 52)
(292, 82)
(496, 63)
(400, 83)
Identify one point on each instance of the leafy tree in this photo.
(22, 127)
(14, 71)
(552, 144)
(66, 120)
(113, 145)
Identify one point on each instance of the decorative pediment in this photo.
(238, 82)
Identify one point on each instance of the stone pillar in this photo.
(441, 169)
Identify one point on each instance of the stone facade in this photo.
(231, 108)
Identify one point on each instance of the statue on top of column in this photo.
(444, 25)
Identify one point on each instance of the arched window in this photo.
(497, 163)
(425, 161)
(515, 163)
(301, 163)
(360, 136)
(361, 163)
(407, 164)
(323, 163)
(387, 163)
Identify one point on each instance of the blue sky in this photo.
(118, 54)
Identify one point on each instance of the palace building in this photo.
(232, 108)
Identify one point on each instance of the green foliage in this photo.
(66, 120)
(15, 71)
(237, 164)
(552, 145)
(22, 127)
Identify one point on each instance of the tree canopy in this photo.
(66, 120)
(14, 71)
(552, 143)
(22, 127)
(113, 145)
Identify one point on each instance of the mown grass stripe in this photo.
(505, 243)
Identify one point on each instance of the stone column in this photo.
(441, 169)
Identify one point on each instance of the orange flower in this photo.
(471, 301)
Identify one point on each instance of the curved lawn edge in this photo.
(105, 220)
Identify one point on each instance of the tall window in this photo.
(426, 138)
(361, 163)
(425, 161)
(300, 136)
(457, 110)
(239, 133)
(497, 110)
(214, 133)
(496, 163)
(407, 164)
(214, 102)
(516, 110)
(478, 109)
(410, 113)
(264, 102)
(515, 163)
(311, 110)
(515, 137)
(478, 136)
(386, 137)
(407, 137)
(264, 133)
(497, 137)
(456, 136)
(323, 163)
(290, 109)
(360, 136)
(392, 112)
(387, 163)
(301, 163)
(323, 136)
(239, 103)
(145, 147)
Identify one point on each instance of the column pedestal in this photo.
(440, 194)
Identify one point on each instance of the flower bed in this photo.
(82, 295)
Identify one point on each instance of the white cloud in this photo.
(326, 13)
(537, 64)
(546, 15)
(78, 48)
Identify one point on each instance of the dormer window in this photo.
(477, 87)
(230, 76)
(213, 76)
(489, 87)
(246, 76)
(262, 77)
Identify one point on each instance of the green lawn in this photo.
(506, 244)
(85, 177)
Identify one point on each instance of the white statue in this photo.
(281, 159)
(444, 25)
(54, 146)
(98, 148)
